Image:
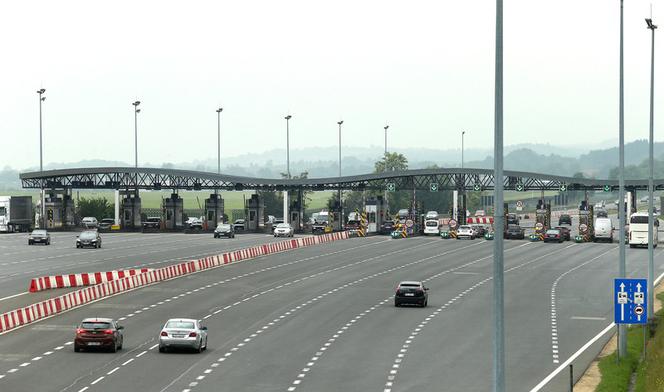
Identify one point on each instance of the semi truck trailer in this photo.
(15, 213)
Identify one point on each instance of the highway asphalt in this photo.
(322, 319)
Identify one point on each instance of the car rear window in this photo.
(88, 235)
(95, 325)
(553, 232)
(432, 223)
(638, 219)
(39, 232)
(180, 324)
(409, 285)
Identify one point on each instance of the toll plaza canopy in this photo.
(421, 179)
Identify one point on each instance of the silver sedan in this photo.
(283, 230)
(183, 333)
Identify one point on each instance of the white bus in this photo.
(638, 230)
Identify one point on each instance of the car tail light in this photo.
(79, 331)
(163, 333)
(108, 332)
(192, 335)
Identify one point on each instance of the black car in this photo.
(565, 220)
(411, 292)
(512, 219)
(387, 227)
(239, 225)
(88, 238)
(41, 236)
(106, 223)
(514, 232)
(564, 231)
(152, 223)
(224, 230)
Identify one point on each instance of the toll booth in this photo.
(173, 208)
(542, 217)
(336, 219)
(214, 211)
(295, 213)
(53, 208)
(131, 211)
(68, 209)
(254, 211)
(586, 222)
(376, 210)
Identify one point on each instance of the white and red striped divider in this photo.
(82, 279)
(479, 220)
(39, 310)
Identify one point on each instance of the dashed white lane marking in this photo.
(83, 389)
(588, 318)
(113, 371)
(555, 341)
(399, 358)
(97, 380)
(367, 277)
(128, 361)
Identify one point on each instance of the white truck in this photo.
(15, 213)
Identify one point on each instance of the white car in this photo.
(89, 222)
(183, 333)
(431, 227)
(480, 213)
(283, 230)
(465, 231)
(431, 215)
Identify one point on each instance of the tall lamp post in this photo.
(462, 134)
(219, 140)
(385, 128)
(651, 204)
(622, 332)
(341, 205)
(287, 118)
(42, 224)
(136, 111)
(387, 204)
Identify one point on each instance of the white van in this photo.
(431, 227)
(638, 230)
(603, 229)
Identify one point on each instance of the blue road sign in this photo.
(630, 301)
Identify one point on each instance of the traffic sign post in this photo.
(630, 301)
(519, 205)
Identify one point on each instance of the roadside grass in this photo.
(650, 373)
(616, 376)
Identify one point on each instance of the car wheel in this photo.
(205, 347)
(121, 342)
(396, 303)
(48, 242)
(78, 246)
(200, 347)
(77, 348)
(29, 242)
(425, 303)
(114, 349)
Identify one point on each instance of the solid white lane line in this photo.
(13, 296)
(588, 318)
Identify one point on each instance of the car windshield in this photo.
(239, 221)
(88, 235)
(95, 325)
(154, 219)
(87, 219)
(553, 231)
(513, 227)
(283, 226)
(638, 219)
(180, 324)
(39, 232)
(108, 220)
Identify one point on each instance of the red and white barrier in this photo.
(479, 220)
(83, 279)
(37, 311)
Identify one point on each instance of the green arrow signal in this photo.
(433, 187)
(607, 188)
(477, 187)
(519, 187)
(563, 188)
(391, 187)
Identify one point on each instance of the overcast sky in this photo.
(426, 68)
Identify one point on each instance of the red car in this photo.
(99, 333)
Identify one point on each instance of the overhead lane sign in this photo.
(630, 303)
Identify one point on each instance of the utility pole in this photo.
(622, 333)
(42, 212)
(651, 202)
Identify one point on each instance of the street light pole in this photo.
(651, 203)
(385, 128)
(499, 217)
(622, 335)
(462, 134)
(136, 111)
(288, 174)
(387, 204)
(219, 140)
(42, 224)
(341, 205)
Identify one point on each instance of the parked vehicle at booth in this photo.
(152, 223)
(99, 333)
(39, 236)
(512, 219)
(283, 230)
(106, 224)
(602, 213)
(224, 230)
(89, 222)
(479, 230)
(565, 219)
(239, 225)
(480, 213)
(183, 333)
(89, 238)
(411, 292)
(604, 230)
(387, 227)
(431, 215)
(638, 230)
(431, 227)
(194, 223)
(15, 213)
(403, 215)
(565, 232)
(553, 235)
(514, 232)
(465, 231)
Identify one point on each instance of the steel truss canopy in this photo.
(421, 179)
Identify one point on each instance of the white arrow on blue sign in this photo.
(630, 301)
